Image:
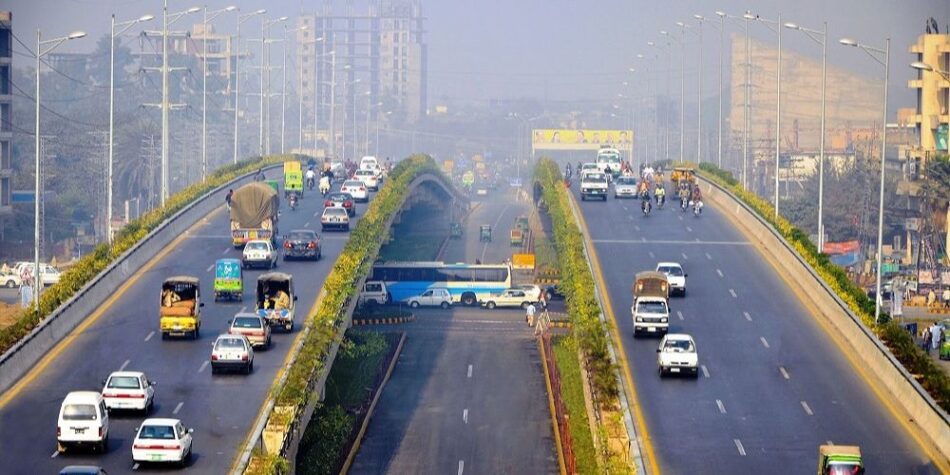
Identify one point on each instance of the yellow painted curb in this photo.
(557, 432)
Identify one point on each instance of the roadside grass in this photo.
(544, 252)
(356, 372)
(572, 392)
(9, 314)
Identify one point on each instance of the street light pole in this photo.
(124, 26)
(778, 98)
(204, 86)
(722, 34)
(870, 50)
(237, 76)
(37, 193)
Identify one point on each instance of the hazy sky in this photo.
(558, 49)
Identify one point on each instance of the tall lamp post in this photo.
(283, 92)
(37, 194)
(699, 92)
(682, 85)
(265, 83)
(666, 118)
(778, 94)
(208, 17)
(820, 37)
(123, 27)
(237, 76)
(876, 53)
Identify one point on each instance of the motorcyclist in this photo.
(660, 194)
(324, 185)
(697, 201)
(683, 194)
(311, 177)
(293, 201)
(567, 170)
(697, 195)
(644, 197)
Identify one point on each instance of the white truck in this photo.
(594, 184)
(650, 310)
(374, 293)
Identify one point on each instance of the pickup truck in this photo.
(650, 310)
(594, 184)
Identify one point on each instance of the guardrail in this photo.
(906, 392)
(21, 357)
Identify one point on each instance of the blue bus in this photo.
(468, 283)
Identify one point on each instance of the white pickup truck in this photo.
(594, 184)
(650, 310)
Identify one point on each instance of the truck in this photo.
(254, 211)
(835, 459)
(651, 309)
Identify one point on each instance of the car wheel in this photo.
(250, 367)
(11, 284)
(164, 336)
(267, 344)
(583, 197)
(468, 299)
(214, 369)
(490, 305)
(445, 305)
(662, 373)
(289, 327)
(413, 304)
(104, 444)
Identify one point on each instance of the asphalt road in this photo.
(773, 385)
(467, 394)
(220, 408)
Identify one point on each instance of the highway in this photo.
(773, 385)
(220, 408)
(467, 394)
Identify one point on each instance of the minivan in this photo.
(83, 421)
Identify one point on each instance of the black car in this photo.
(341, 200)
(302, 244)
(553, 292)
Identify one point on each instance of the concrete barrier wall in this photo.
(900, 388)
(18, 360)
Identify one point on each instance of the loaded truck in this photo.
(254, 212)
(840, 459)
(650, 310)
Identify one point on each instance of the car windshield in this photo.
(651, 307)
(229, 344)
(594, 177)
(256, 246)
(79, 412)
(626, 180)
(157, 432)
(247, 322)
(301, 236)
(678, 346)
(671, 271)
(123, 382)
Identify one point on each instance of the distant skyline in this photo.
(556, 49)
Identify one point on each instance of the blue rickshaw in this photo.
(228, 280)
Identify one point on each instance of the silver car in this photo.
(232, 352)
(625, 187)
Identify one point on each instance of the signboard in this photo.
(522, 261)
(844, 247)
(580, 139)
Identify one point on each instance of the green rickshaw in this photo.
(273, 184)
(228, 280)
(944, 350)
(484, 233)
(522, 223)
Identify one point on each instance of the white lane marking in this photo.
(719, 272)
(461, 467)
(135, 466)
(637, 228)
(652, 256)
(747, 316)
(722, 408)
(469, 371)
(781, 369)
(807, 409)
(671, 241)
(55, 454)
(765, 342)
(465, 415)
(739, 446)
(307, 224)
(150, 335)
(680, 217)
(679, 314)
(226, 250)
(203, 366)
(685, 258)
(124, 365)
(643, 239)
(733, 292)
(209, 268)
(689, 229)
(705, 371)
(178, 407)
(708, 256)
(243, 309)
(315, 213)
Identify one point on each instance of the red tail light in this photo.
(362, 188)
(347, 204)
(288, 245)
(214, 357)
(244, 357)
(100, 432)
(312, 245)
(327, 203)
(59, 432)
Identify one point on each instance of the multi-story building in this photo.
(932, 118)
(6, 109)
(380, 63)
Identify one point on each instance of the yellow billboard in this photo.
(522, 261)
(588, 137)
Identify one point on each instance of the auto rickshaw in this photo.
(944, 350)
(840, 459)
(517, 237)
(180, 307)
(273, 184)
(228, 280)
(293, 178)
(455, 231)
(484, 233)
(276, 299)
(522, 223)
(682, 174)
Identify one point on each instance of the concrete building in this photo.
(932, 117)
(6, 120)
(380, 57)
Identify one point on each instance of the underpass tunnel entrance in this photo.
(422, 226)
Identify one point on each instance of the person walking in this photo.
(936, 336)
(926, 340)
(946, 297)
(529, 314)
(544, 320)
(227, 198)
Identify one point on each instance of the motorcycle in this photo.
(324, 186)
(293, 201)
(697, 207)
(660, 201)
(310, 182)
(646, 206)
(684, 203)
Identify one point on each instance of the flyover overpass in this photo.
(773, 386)
(221, 408)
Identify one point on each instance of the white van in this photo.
(369, 163)
(83, 421)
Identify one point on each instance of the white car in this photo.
(128, 390)
(625, 187)
(335, 218)
(356, 189)
(431, 298)
(369, 178)
(533, 291)
(677, 355)
(232, 352)
(50, 274)
(10, 280)
(162, 440)
(259, 252)
(675, 276)
(650, 315)
(589, 168)
(83, 421)
(509, 298)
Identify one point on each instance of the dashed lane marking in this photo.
(637, 228)
(705, 371)
(465, 416)
(135, 466)
(652, 256)
(807, 409)
(689, 229)
(708, 256)
(733, 293)
(747, 316)
(209, 268)
(765, 342)
(226, 250)
(722, 408)
(781, 369)
(739, 447)
(203, 366)
(150, 335)
(685, 258)
(719, 272)
(178, 407)
(307, 224)
(679, 314)
(469, 371)
(55, 454)
(124, 365)
(461, 467)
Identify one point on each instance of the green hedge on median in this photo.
(95, 262)
(900, 342)
(577, 283)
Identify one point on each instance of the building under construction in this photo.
(355, 66)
